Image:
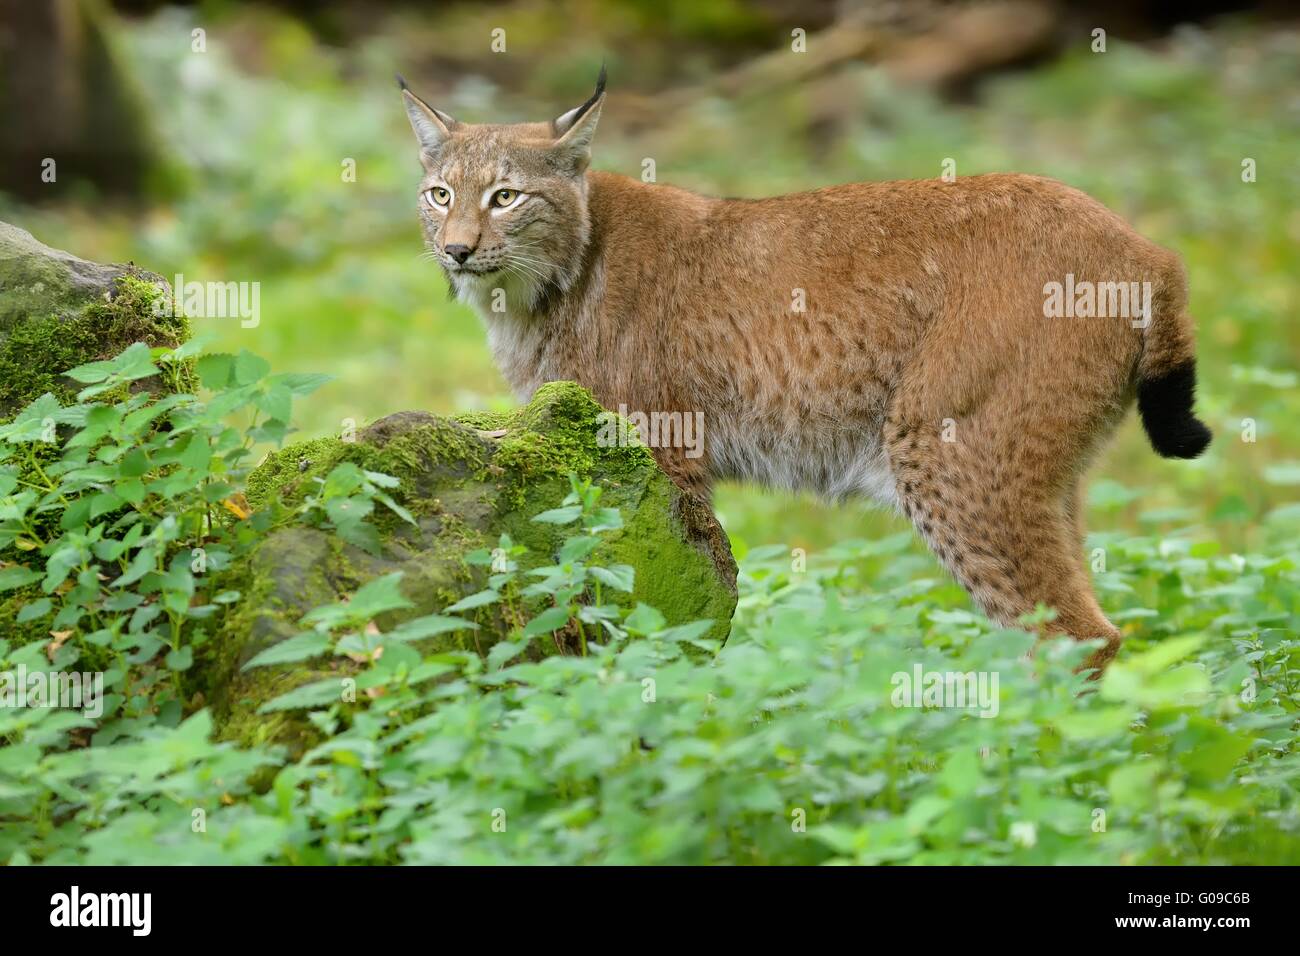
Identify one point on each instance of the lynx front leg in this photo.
(993, 510)
(688, 470)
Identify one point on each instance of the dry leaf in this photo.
(60, 637)
(237, 505)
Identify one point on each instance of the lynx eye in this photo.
(504, 197)
(437, 196)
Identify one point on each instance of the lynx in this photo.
(901, 341)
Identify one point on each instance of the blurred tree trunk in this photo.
(65, 97)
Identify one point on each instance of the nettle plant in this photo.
(117, 510)
(120, 510)
(636, 742)
(572, 590)
(346, 497)
(564, 605)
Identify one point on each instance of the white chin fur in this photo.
(480, 291)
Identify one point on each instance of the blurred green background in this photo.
(245, 147)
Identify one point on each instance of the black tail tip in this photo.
(1187, 440)
(1165, 404)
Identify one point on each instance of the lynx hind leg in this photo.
(999, 523)
(1073, 504)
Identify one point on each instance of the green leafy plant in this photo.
(631, 741)
(120, 511)
(347, 497)
(571, 589)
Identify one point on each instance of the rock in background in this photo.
(58, 311)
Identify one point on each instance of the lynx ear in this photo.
(432, 127)
(574, 129)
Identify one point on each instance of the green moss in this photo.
(485, 421)
(19, 634)
(267, 612)
(44, 342)
(419, 457)
(673, 574)
(32, 283)
(551, 437)
(555, 434)
(449, 469)
(52, 327)
(286, 474)
(293, 571)
(467, 480)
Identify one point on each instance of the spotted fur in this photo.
(883, 340)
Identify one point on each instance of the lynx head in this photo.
(505, 206)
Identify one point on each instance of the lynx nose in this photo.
(458, 252)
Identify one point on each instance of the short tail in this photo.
(1166, 378)
(1165, 404)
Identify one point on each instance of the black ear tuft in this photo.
(401, 83)
(591, 101)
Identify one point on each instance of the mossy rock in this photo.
(467, 481)
(57, 312)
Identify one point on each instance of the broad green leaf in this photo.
(16, 576)
(551, 619)
(619, 576)
(300, 647)
(250, 368)
(645, 620)
(478, 599)
(560, 515)
(309, 696)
